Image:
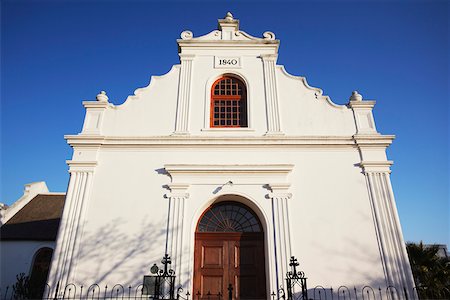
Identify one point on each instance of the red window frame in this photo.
(228, 106)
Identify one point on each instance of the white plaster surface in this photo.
(17, 257)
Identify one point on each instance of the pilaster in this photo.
(391, 244)
(271, 92)
(95, 111)
(175, 225)
(184, 95)
(362, 112)
(71, 227)
(282, 240)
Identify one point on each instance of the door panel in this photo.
(250, 270)
(210, 263)
(212, 256)
(224, 258)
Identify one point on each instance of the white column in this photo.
(271, 92)
(184, 95)
(389, 234)
(71, 227)
(175, 232)
(281, 230)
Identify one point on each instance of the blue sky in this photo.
(55, 54)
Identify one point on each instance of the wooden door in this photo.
(229, 258)
(229, 249)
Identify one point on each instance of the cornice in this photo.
(81, 166)
(373, 140)
(233, 169)
(362, 104)
(96, 104)
(85, 140)
(376, 166)
(203, 141)
(228, 174)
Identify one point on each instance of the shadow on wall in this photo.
(358, 263)
(118, 253)
(111, 263)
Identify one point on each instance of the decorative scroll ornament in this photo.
(268, 35)
(187, 35)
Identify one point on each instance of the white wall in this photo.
(17, 257)
(330, 218)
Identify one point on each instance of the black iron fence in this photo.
(160, 285)
(118, 291)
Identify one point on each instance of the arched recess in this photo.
(229, 249)
(228, 102)
(39, 272)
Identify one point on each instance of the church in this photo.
(230, 165)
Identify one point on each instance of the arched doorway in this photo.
(39, 272)
(229, 249)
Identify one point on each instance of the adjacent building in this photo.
(28, 232)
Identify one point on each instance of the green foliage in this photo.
(431, 272)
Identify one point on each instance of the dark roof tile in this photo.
(37, 220)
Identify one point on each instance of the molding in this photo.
(278, 195)
(362, 104)
(275, 187)
(376, 166)
(188, 168)
(236, 37)
(178, 190)
(81, 166)
(373, 140)
(186, 57)
(172, 141)
(276, 141)
(177, 195)
(53, 193)
(227, 129)
(178, 186)
(96, 104)
(269, 57)
(222, 175)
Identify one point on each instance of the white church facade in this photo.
(230, 165)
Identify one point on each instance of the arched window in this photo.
(39, 272)
(228, 103)
(229, 217)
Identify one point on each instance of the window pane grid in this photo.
(228, 103)
(229, 217)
